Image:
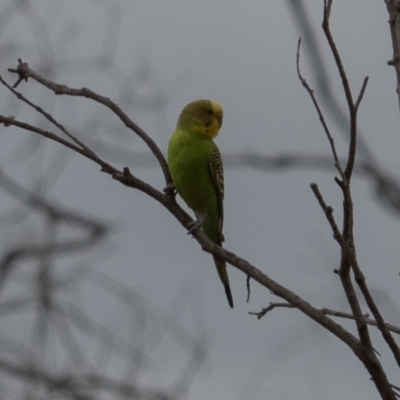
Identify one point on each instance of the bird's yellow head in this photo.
(203, 117)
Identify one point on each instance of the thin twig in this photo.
(328, 210)
(325, 311)
(336, 55)
(48, 117)
(362, 91)
(271, 307)
(320, 114)
(248, 287)
(12, 121)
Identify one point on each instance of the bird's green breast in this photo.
(189, 165)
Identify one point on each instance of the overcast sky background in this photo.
(164, 55)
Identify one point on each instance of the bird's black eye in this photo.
(210, 112)
(207, 124)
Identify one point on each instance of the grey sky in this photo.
(243, 55)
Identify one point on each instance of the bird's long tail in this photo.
(223, 275)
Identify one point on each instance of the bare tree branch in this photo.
(346, 241)
(24, 72)
(328, 210)
(169, 202)
(349, 258)
(393, 7)
(348, 250)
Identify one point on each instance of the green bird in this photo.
(195, 164)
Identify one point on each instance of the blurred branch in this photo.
(82, 386)
(94, 229)
(49, 352)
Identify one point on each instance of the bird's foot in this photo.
(170, 190)
(193, 226)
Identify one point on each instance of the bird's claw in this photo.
(193, 226)
(170, 189)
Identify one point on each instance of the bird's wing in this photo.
(217, 172)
